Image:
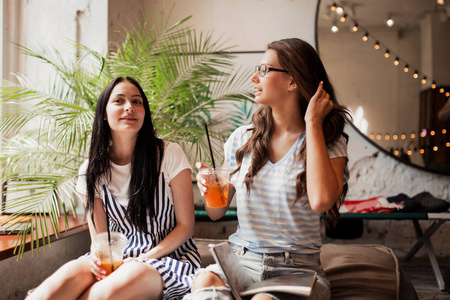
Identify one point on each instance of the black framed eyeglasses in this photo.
(263, 69)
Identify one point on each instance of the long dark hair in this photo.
(303, 63)
(145, 163)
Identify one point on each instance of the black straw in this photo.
(210, 148)
(107, 226)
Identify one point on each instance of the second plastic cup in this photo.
(216, 186)
(110, 254)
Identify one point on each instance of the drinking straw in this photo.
(107, 226)
(212, 159)
(210, 149)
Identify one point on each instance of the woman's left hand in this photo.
(319, 106)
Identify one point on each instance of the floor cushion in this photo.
(356, 271)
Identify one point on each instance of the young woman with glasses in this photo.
(289, 166)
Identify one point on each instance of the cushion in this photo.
(364, 272)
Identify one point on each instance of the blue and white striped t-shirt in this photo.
(267, 222)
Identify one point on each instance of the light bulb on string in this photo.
(339, 10)
(333, 7)
(441, 90)
(416, 74)
(378, 136)
(435, 148)
(433, 85)
(377, 45)
(421, 151)
(447, 144)
(413, 135)
(440, 2)
(355, 27)
(371, 136)
(447, 94)
(387, 54)
(387, 137)
(395, 137)
(396, 152)
(432, 132)
(409, 152)
(365, 37)
(334, 29)
(396, 61)
(390, 22)
(343, 18)
(424, 80)
(403, 136)
(444, 131)
(406, 68)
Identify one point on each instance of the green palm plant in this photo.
(187, 76)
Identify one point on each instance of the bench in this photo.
(423, 238)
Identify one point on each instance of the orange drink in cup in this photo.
(110, 252)
(216, 186)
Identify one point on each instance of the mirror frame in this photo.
(350, 123)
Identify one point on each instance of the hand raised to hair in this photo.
(319, 106)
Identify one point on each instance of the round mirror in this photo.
(390, 64)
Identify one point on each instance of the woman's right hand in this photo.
(96, 269)
(201, 182)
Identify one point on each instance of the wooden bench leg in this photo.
(423, 239)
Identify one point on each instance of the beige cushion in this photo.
(361, 271)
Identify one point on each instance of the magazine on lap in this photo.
(242, 284)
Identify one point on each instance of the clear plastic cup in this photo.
(216, 186)
(110, 254)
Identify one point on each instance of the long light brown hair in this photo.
(303, 64)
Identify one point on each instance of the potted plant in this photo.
(187, 76)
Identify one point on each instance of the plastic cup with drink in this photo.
(216, 182)
(110, 253)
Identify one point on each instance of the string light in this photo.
(390, 22)
(413, 135)
(444, 131)
(432, 132)
(422, 151)
(378, 136)
(403, 136)
(343, 16)
(365, 37)
(435, 148)
(424, 80)
(395, 137)
(377, 45)
(387, 137)
(333, 7)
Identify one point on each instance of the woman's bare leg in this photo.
(133, 280)
(68, 282)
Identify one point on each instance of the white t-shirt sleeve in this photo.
(175, 161)
(81, 182)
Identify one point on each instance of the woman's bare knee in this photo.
(261, 297)
(205, 279)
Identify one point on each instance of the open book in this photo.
(242, 284)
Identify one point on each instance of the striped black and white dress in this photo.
(176, 269)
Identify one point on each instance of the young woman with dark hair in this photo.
(146, 183)
(288, 166)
